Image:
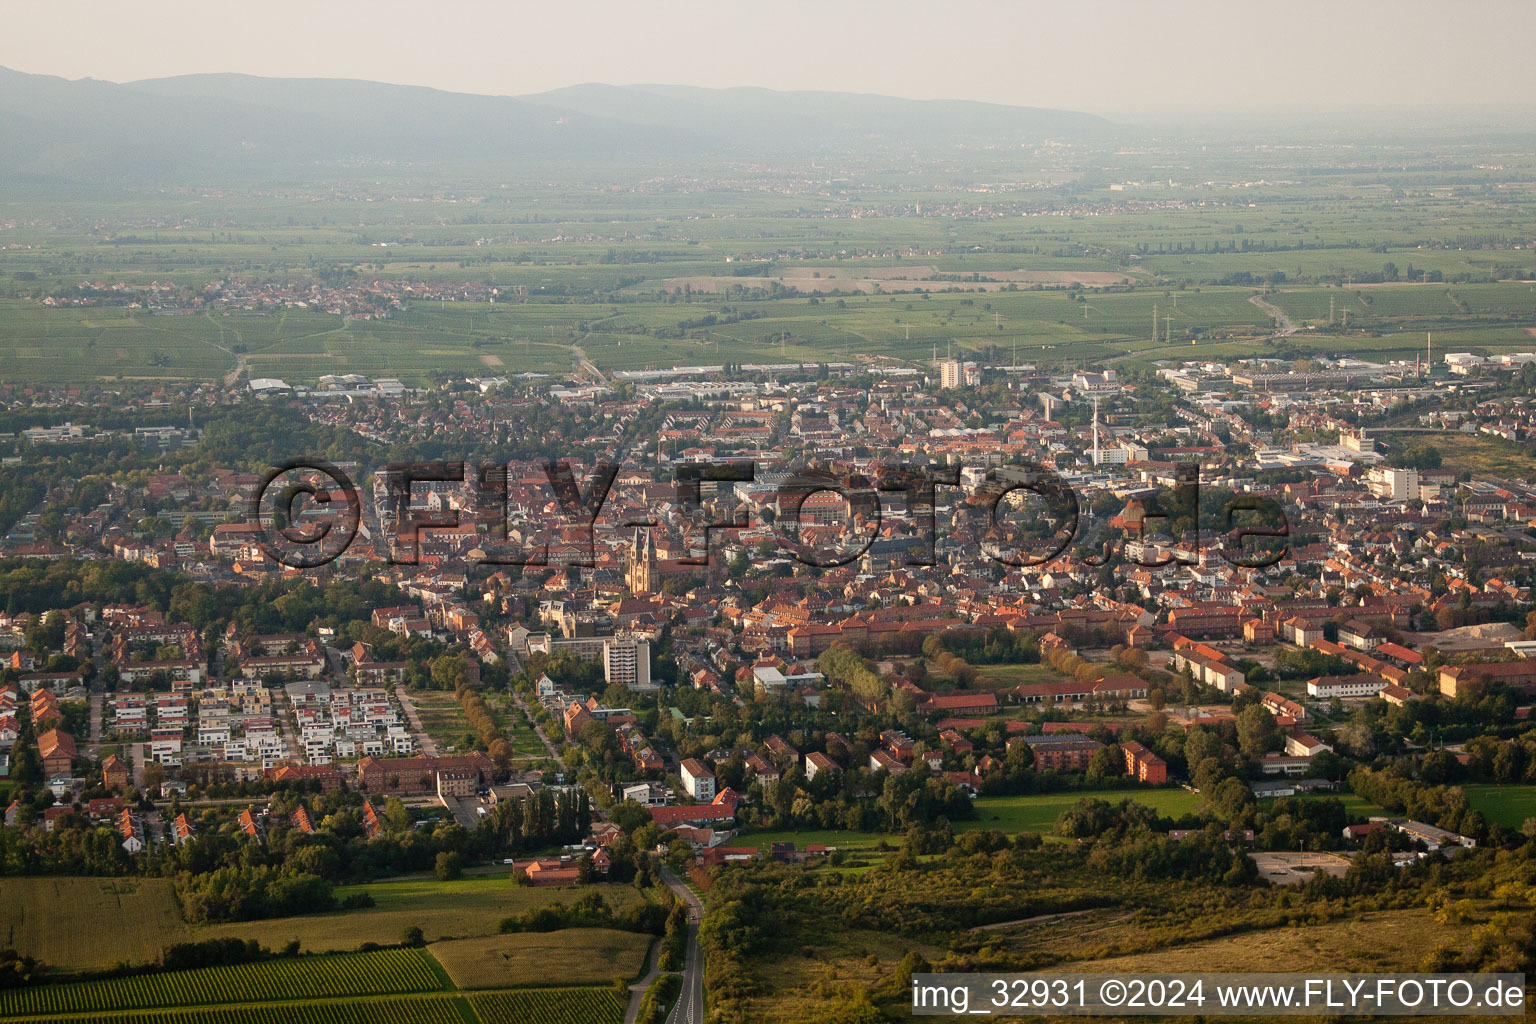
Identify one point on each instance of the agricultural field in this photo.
(1049, 325)
(571, 956)
(509, 1006)
(358, 974)
(631, 279)
(433, 1009)
(1426, 306)
(37, 344)
(466, 908)
(443, 719)
(387, 986)
(547, 1006)
(90, 923)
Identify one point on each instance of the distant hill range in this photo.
(207, 128)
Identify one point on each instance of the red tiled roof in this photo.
(698, 814)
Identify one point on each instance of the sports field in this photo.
(1509, 806)
(1034, 812)
(1037, 812)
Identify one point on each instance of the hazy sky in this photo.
(1096, 56)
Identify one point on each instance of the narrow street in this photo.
(135, 752)
(98, 706)
(428, 744)
(690, 1002)
(689, 1008)
(637, 990)
(522, 705)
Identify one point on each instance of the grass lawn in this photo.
(571, 956)
(816, 837)
(1037, 812)
(443, 910)
(999, 677)
(90, 923)
(1504, 805)
(1354, 806)
(994, 678)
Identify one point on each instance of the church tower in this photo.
(640, 574)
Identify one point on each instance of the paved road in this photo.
(637, 990)
(288, 731)
(583, 363)
(1286, 328)
(98, 705)
(689, 1008)
(135, 753)
(687, 895)
(428, 744)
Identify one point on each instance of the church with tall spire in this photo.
(640, 573)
